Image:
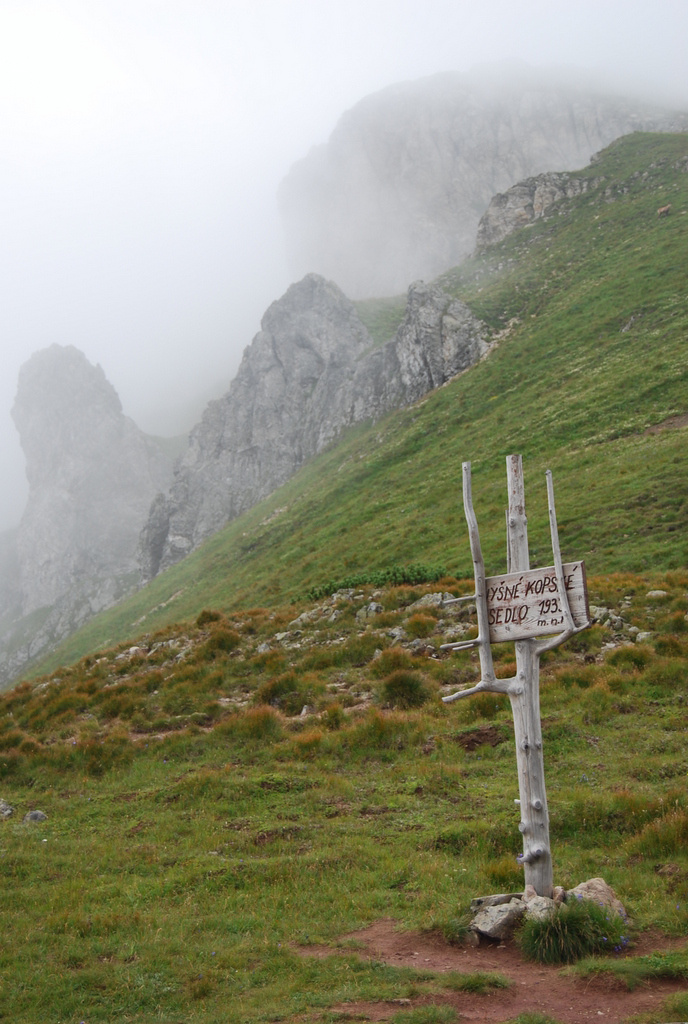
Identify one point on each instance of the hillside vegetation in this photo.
(588, 378)
(233, 771)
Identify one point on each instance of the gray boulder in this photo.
(35, 816)
(498, 922)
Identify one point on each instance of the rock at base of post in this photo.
(496, 917)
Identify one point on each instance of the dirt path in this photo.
(534, 988)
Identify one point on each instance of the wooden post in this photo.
(551, 588)
(525, 705)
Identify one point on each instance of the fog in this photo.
(143, 142)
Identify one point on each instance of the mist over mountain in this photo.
(92, 476)
(398, 190)
(312, 371)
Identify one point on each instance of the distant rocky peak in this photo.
(398, 190)
(63, 404)
(92, 476)
(62, 378)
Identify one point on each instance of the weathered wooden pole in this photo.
(521, 606)
(525, 705)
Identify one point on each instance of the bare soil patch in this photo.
(482, 734)
(673, 423)
(535, 988)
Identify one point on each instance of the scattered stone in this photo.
(669, 870)
(131, 652)
(35, 816)
(641, 638)
(456, 630)
(481, 902)
(6, 811)
(368, 611)
(597, 889)
(398, 633)
(498, 922)
(430, 601)
(656, 595)
(496, 917)
(305, 618)
(539, 908)
(422, 647)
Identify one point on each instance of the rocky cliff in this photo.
(92, 476)
(398, 190)
(525, 202)
(312, 371)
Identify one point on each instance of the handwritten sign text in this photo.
(527, 604)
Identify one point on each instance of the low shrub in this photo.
(574, 930)
(207, 616)
(261, 723)
(665, 837)
(285, 692)
(221, 641)
(380, 732)
(631, 656)
(389, 661)
(404, 689)
(358, 650)
(419, 626)
(333, 717)
(392, 575)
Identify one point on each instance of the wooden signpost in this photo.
(526, 604)
(538, 609)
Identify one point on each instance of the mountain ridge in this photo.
(587, 305)
(424, 354)
(397, 191)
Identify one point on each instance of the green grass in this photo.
(196, 837)
(638, 970)
(574, 930)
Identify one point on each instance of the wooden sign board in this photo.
(521, 605)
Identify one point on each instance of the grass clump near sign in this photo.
(404, 688)
(574, 930)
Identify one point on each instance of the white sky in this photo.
(142, 143)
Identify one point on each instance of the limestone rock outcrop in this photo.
(399, 188)
(311, 371)
(92, 476)
(525, 202)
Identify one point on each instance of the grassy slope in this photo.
(194, 834)
(567, 388)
